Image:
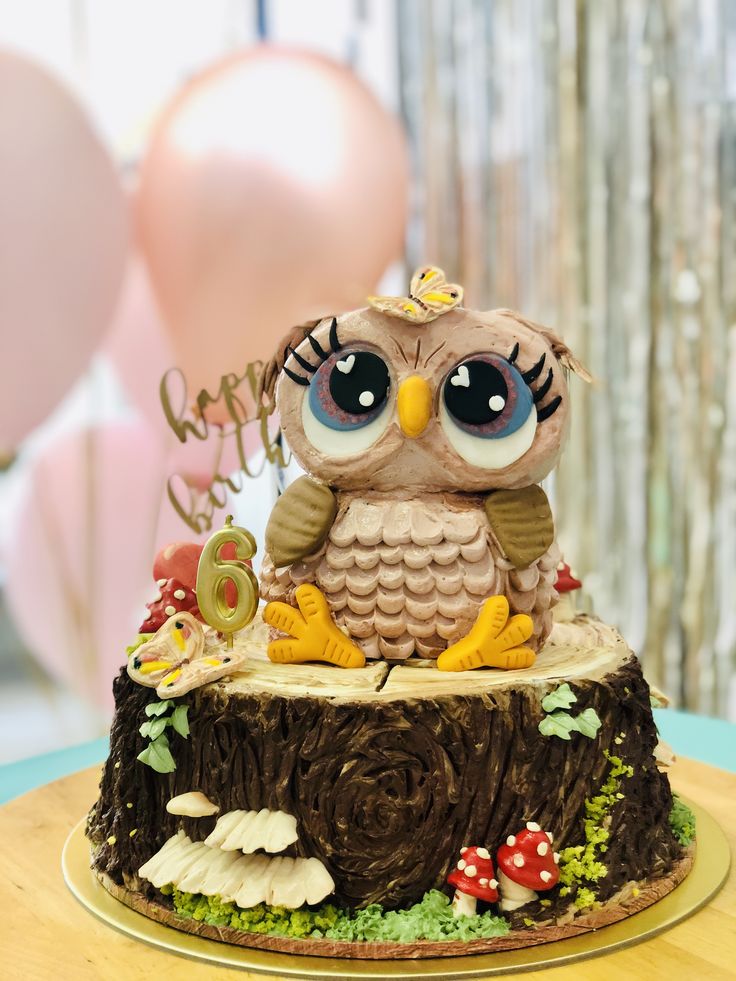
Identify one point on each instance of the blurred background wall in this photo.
(577, 161)
(574, 160)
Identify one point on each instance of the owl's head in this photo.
(468, 401)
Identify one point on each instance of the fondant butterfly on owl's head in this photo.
(430, 295)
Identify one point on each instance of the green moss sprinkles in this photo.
(581, 864)
(431, 919)
(274, 920)
(682, 821)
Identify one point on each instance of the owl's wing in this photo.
(300, 521)
(522, 522)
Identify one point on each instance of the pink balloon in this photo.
(62, 244)
(140, 352)
(191, 467)
(137, 344)
(275, 190)
(80, 560)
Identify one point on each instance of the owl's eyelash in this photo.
(530, 376)
(319, 351)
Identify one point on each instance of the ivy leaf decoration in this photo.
(158, 756)
(179, 720)
(561, 698)
(558, 724)
(154, 727)
(588, 723)
(158, 708)
(561, 724)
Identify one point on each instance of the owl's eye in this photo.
(344, 411)
(349, 390)
(488, 411)
(358, 386)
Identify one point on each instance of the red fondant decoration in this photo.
(566, 582)
(473, 874)
(179, 561)
(167, 599)
(528, 859)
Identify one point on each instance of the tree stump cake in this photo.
(391, 771)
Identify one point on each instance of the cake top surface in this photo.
(583, 649)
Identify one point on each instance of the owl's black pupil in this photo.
(359, 382)
(475, 392)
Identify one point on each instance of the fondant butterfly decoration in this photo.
(430, 295)
(175, 660)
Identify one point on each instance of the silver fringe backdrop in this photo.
(577, 161)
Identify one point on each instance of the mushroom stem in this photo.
(463, 904)
(564, 609)
(512, 894)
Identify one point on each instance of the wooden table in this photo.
(46, 934)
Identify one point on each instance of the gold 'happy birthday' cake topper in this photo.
(239, 397)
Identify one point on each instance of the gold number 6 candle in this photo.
(213, 574)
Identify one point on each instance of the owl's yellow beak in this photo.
(414, 403)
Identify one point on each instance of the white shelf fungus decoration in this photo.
(246, 880)
(247, 831)
(193, 804)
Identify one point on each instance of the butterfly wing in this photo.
(423, 277)
(430, 296)
(153, 661)
(397, 306)
(201, 670)
(430, 288)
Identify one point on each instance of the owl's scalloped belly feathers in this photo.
(409, 576)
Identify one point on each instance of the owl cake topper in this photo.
(420, 520)
(430, 295)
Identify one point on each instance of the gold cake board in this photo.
(709, 872)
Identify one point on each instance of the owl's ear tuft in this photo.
(560, 350)
(272, 369)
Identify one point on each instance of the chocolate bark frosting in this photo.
(386, 788)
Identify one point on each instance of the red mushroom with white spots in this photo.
(566, 581)
(567, 586)
(178, 560)
(172, 597)
(527, 865)
(473, 878)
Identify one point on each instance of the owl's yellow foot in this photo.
(314, 635)
(493, 642)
